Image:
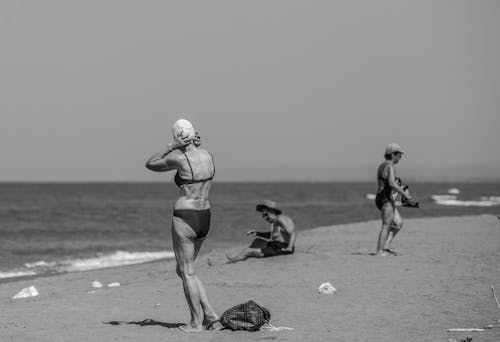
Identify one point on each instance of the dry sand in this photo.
(440, 280)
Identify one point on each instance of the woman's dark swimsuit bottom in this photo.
(270, 248)
(198, 220)
(382, 198)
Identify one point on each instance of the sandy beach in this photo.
(441, 279)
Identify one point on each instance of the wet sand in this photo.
(441, 279)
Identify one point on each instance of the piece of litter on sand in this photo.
(96, 284)
(466, 329)
(26, 292)
(115, 284)
(270, 327)
(467, 339)
(327, 288)
(157, 304)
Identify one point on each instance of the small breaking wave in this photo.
(119, 258)
(370, 196)
(451, 200)
(16, 274)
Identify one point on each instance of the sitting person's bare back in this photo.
(278, 241)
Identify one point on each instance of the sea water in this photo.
(54, 228)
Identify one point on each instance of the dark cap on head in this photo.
(268, 205)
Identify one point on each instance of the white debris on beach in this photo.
(115, 284)
(96, 284)
(26, 292)
(326, 288)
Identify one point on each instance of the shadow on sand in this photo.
(361, 253)
(146, 322)
(387, 251)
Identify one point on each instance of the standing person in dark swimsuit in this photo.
(191, 219)
(279, 240)
(386, 178)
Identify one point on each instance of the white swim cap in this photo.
(182, 128)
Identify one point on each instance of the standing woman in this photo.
(191, 220)
(387, 185)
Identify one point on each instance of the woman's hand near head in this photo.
(184, 141)
(160, 162)
(180, 142)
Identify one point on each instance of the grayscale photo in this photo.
(281, 170)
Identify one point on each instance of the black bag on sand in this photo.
(248, 316)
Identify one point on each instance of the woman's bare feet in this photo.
(230, 259)
(209, 321)
(188, 328)
(390, 251)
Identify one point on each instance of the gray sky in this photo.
(288, 89)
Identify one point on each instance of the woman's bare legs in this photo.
(387, 212)
(186, 249)
(182, 239)
(394, 229)
(209, 313)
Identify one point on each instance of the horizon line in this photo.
(4, 182)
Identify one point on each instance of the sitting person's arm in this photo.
(291, 244)
(265, 235)
(287, 224)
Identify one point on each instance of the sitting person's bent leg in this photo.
(246, 253)
(274, 248)
(258, 243)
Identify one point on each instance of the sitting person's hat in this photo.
(268, 205)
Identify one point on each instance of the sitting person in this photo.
(280, 240)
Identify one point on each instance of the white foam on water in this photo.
(453, 191)
(15, 274)
(443, 197)
(467, 203)
(41, 263)
(451, 200)
(495, 199)
(370, 196)
(119, 258)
